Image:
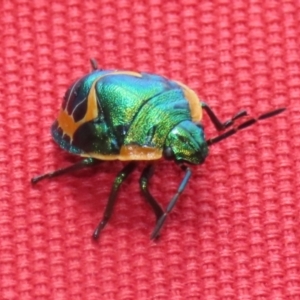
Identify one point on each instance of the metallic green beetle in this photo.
(133, 116)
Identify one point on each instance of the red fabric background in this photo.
(235, 231)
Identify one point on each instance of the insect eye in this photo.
(168, 153)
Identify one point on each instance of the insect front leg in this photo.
(112, 197)
(87, 162)
(215, 120)
(144, 180)
(172, 203)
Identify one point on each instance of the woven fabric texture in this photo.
(234, 233)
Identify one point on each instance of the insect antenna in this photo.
(243, 125)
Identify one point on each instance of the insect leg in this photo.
(217, 123)
(112, 197)
(145, 177)
(78, 165)
(244, 125)
(94, 64)
(172, 203)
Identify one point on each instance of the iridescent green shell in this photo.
(123, 115)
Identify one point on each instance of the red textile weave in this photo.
(234, 233)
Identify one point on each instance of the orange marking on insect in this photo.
(135, 152)
(129, 152)
(194, 103)
(67, 123)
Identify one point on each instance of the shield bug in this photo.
(135, 116)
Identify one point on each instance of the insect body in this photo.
(132, 116)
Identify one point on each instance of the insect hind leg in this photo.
(94, 64)
(77, 166)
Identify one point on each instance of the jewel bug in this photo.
(134, 116)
